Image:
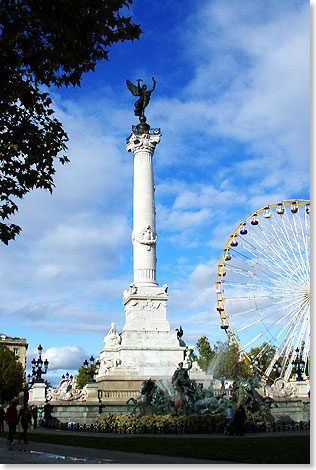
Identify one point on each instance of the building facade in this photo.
(17, 345)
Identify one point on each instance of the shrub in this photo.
(154, 424)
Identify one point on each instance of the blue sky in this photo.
(232, 102)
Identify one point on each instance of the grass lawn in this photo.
(270, 449)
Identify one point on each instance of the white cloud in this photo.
(197, 290)
(66, 357)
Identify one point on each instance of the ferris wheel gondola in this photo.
(263, 287)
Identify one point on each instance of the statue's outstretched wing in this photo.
(133, 88)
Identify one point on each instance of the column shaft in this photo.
(144, 226)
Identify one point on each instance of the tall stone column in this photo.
(146, 347)
(144, 235)
(145, 302)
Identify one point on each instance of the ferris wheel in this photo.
(263, 288)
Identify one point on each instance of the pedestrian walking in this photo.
(34, 416)
(25, 419)
(229, 421)
(2, 415)
(240, 418)
(12, 418)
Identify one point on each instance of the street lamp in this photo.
(91, 372)
(277, 368)
(254, 366)
(37, 368)
(298, 365)
(67, 377)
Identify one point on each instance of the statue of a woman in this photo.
(112, 338)
(144, 97)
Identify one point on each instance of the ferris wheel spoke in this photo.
(274, 264)
(300, 263)
(291, 350)
(252, 286)
(281, 246)
(267, 242)
(277, 261)
(289, 323)
(253, 340)
(261, 320)
(276, 270)
(305, 235)
(290, 343)
(270, 270)
(282, 353)
(254, 309)
(297, 262)
(299, 229)
(256, 322)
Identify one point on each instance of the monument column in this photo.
(144, 235)
(145, 302)
(146, 347)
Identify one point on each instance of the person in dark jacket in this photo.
(34, 416)
(25, 418)
(12, 419)
(240, 418)
(2, 415)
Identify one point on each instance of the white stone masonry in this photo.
(146, 347)
(144, 235)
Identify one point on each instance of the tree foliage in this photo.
(264, 354)
(45, 43)
(11, 375)
(204, 352)
(228, 362)
(224, 358)
(83, 375)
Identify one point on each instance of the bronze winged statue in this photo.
(144, 97)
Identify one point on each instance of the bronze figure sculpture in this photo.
(144, 97)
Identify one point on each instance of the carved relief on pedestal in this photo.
(140, 292)
(281, 389)
(146, 237)
(130, 307)
(108, 364)
(150, 305)
(65, 391)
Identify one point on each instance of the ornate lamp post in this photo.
(298, 365)
(67, 377)
(39, 368)
(91, 372)
(277, 368)
(254, 370)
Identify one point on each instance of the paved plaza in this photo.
(43, 453)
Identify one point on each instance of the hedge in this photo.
(154, 424)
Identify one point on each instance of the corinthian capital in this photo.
(142, 142)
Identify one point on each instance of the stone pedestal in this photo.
(92, 392)
(37, 393)
(291, 409)
(302, 388)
